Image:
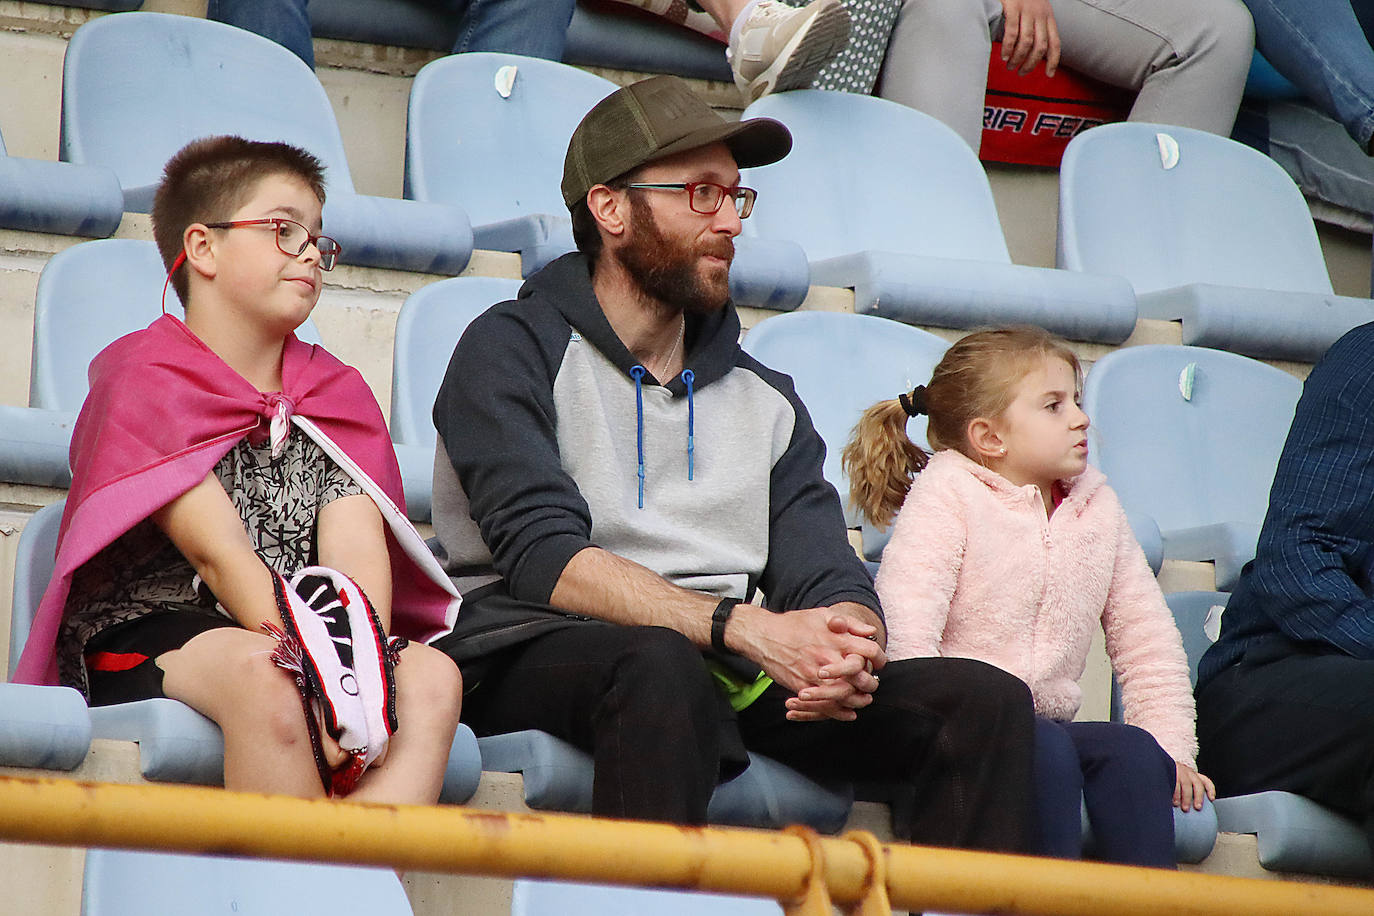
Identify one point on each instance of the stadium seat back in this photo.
(88, 296)
(139, 86)
(37, 195)
(564, 898)
(33, 563)
(868, 174)
(127, 883)
(841, 365)
(1168, 206)
(430, 323)
(488, 132)
(1190, 437)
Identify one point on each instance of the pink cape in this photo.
(162, 411)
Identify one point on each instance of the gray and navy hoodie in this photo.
(552, 438)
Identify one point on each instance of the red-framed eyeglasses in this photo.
(706, 197)
(292, 238)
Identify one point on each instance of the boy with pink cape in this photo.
(218, 458)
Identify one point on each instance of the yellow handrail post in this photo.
(815, 896)
(874, 901)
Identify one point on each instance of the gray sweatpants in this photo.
(1187, 59)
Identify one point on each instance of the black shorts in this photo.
(121, 664)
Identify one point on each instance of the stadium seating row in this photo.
(1154, 221)
(841, 363)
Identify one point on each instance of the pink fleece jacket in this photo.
(975, 569)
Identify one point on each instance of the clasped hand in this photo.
(828, 658)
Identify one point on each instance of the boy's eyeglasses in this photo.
(292, 238)
(705, 197)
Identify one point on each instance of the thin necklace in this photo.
(668, 361)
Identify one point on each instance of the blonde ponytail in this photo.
(880, 460)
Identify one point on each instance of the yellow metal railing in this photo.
(803, 871)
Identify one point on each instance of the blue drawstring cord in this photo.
(688, 376)
(638, 373)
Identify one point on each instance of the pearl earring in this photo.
(1002, 450)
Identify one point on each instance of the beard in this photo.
(670, 270)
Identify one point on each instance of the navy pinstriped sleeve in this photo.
(1312, 576)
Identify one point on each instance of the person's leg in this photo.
(1128, 787)
(1058, 792)
(937, 61)
(1301, 723)
(954, 737)
(428, 696)
(286, 22)
(1320, 46)
(639, 699)
(1187, 59)
(228, 675)
(535, 28)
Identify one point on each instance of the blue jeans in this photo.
(1320, 46)
(536, 28)
(1123, 777)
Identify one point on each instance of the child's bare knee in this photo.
(428, 679)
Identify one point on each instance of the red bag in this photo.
(1028, 120)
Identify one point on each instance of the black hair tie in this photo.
(915, 403)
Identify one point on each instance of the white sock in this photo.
(740, 20)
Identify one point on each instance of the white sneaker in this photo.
(782, 47)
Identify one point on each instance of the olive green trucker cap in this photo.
(654, 118)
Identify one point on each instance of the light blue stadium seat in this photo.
(841, 365)
(1199, 465)
(564, 898)
(500, 156)
(58, 197)
(1293, 833)
(627, 40)
(45, 728)
(558, 777)
(427, 329)
(175, 743)
(88, 296)
(890, 202)
(120, 882)
(622, 39)
(1195, 832)
(197, 78)
(1206, 230)
(33, 446)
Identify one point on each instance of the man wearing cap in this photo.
(653, 567)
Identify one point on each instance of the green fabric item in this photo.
(739, 692)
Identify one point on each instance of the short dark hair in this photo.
(210, 178)
(586, 233)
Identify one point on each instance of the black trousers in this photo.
(1303, 723)
(951, 740)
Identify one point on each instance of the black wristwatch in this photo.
(719, 618)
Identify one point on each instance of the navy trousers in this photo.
(1126, 781)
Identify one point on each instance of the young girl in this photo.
(1010, 549)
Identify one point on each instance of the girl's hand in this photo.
(1029, 35)
(1189, 788)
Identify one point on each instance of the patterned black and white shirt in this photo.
(143, 573)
